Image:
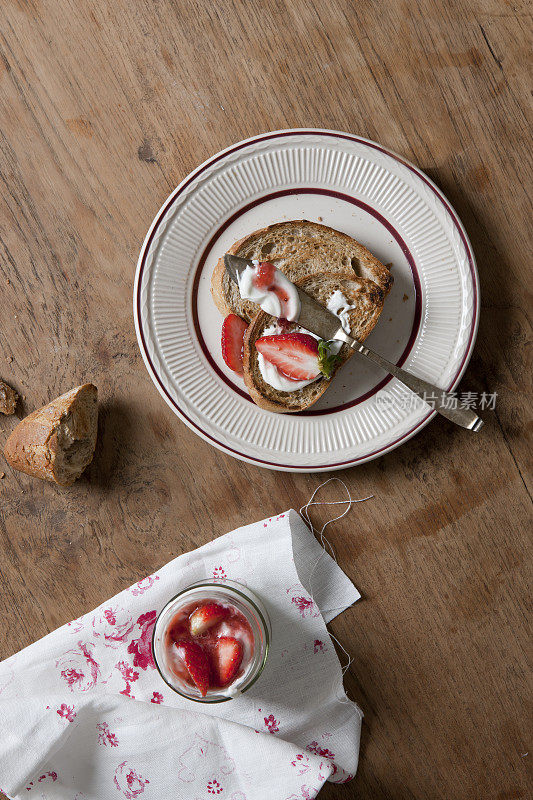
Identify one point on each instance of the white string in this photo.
(347, 666)
(304, 513)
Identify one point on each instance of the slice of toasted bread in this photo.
(298, 248)
(362, 293)
(57, 442)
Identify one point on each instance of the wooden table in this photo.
(105, 106)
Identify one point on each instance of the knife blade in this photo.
(314, 317)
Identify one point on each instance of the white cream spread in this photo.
(266, 298)
(339, 305)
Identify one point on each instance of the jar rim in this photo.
(265, 624)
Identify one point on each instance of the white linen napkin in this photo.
(84, 714)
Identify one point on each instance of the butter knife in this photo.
(317, 319)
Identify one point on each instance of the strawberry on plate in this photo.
(233, 330)
(226, 659)
(196, 662)
(205, 617)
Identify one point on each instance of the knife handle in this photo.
(444, 402)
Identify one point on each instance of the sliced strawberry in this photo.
(205, 617)
(196, 662)
(264, 275)
(226, 659)
(294, 354)
(233, 330)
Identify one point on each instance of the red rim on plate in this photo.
(271, 136)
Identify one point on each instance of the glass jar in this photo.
(255, 632)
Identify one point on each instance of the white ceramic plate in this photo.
(428, 324)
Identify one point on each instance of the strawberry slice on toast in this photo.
(297, 356)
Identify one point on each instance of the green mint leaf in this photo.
(326, 359)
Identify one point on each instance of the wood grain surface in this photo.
(105, 105)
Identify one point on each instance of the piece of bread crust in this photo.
(298, 248)
(56, 442)
(8, 399)
(360, 292)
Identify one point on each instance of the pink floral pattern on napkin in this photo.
(105, 737)
(315, 748)
(78, 668)
(129, 675)
(129, 782)
(301, 763)
(47, 776)
(303, 602)
(143, 586)
(141, 648)
(271, 724)
(76, 625)
(219, 574)
(66, 712)
(112, 626)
